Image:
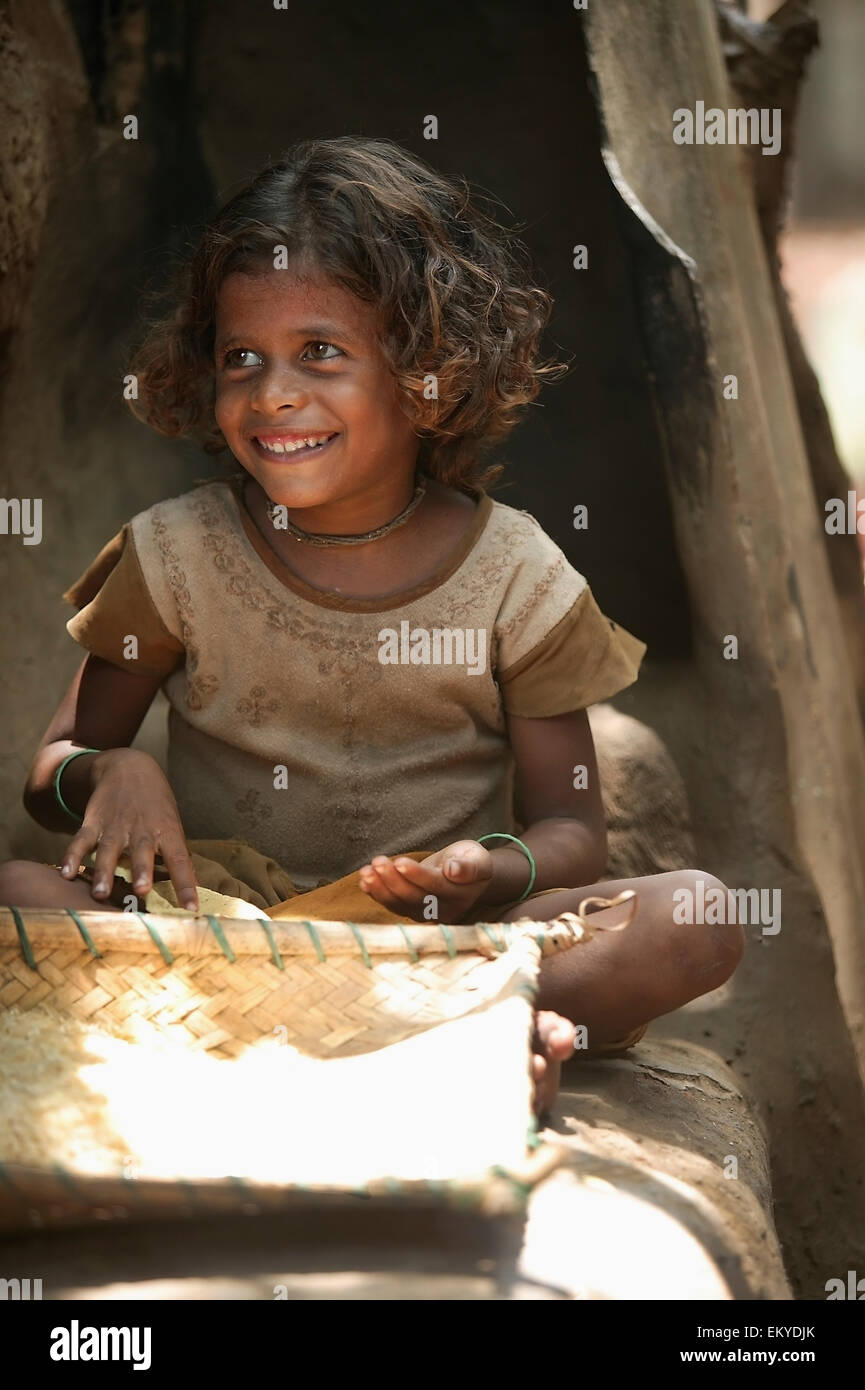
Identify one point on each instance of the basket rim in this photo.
(171, 934)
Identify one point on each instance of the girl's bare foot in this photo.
(552, 1042)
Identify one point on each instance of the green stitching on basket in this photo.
(484, 927)
(361, 943)
(26, 948)
(449, 939)
(315, 941)
(216, 928)
(271, 939)
(160, 944)
(85, 934)
(411, 950)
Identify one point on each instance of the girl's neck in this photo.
(387, 566)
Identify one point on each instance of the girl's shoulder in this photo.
(204, 504)
(139, 581)
(182, 528)
(557, 651)
(535, 571)
(524, 532)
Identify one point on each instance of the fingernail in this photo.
(66, 870)
(453, 866)
(100, 885)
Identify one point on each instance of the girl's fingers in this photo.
(143, 853)
(395, 883)
(83, 841)
(108, 851)
(180, 867)
(374, 885)
(420, 874)
(377, 891)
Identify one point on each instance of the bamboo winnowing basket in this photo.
(356, 1061)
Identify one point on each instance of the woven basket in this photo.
(375, 1061)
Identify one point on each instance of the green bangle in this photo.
(526, 851)
(57, 792)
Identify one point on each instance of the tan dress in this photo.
(309, 731)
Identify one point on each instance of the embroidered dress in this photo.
(319, 729)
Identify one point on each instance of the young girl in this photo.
(377, 675)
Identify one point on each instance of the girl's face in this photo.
(297, 359)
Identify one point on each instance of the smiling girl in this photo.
(358, 335)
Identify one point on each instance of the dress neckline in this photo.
(327, 598)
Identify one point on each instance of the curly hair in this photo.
(454, 289)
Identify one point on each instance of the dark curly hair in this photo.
(453, 287)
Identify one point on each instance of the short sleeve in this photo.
(584, 658)
(115, 605)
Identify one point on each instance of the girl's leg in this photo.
(24, 883)
(620, 980)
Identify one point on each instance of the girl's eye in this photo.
(324, 345)
(234, 355)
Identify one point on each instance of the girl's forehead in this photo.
(291, 301)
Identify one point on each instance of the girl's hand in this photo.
(131, 809)
(454, 876)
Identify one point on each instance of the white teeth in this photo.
(276, 446)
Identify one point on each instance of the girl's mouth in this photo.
(278, 450)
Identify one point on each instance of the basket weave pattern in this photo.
(330, 990)
(338, 989)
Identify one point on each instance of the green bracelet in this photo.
(57, 792)
(526, 851)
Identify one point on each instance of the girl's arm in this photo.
(102, 708)
(565, 825)
(121, 792)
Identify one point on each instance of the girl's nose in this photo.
(278, 386)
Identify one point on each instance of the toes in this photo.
(545, 1079)
(553, 1041)
(541, 1084)
(554, 1035)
